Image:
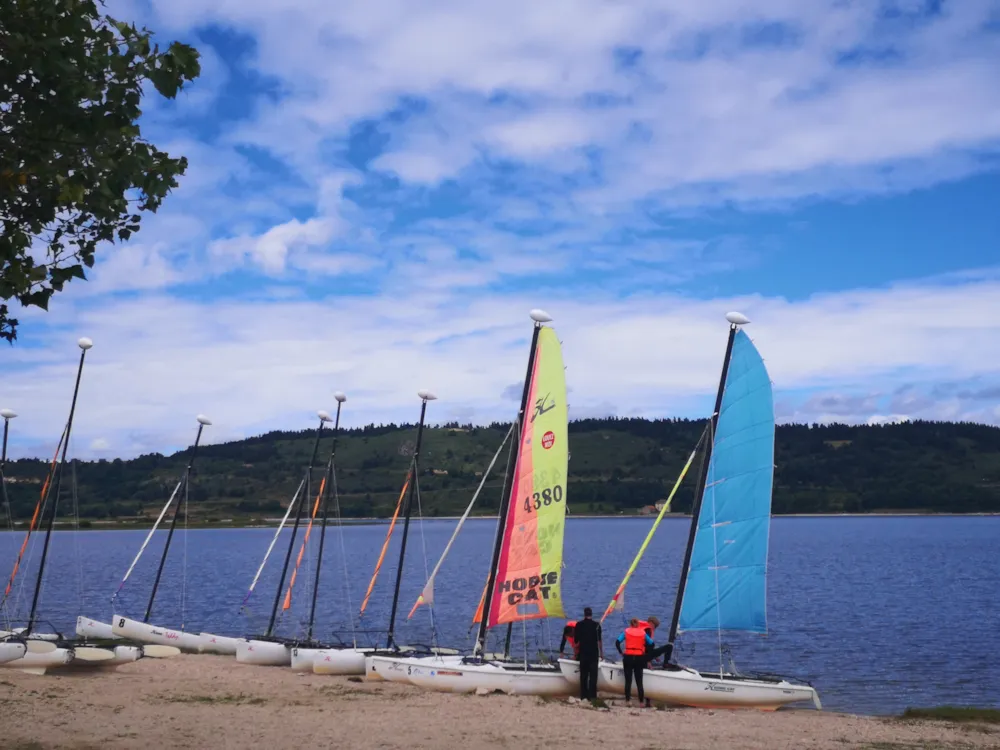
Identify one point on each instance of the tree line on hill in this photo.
(616, 466)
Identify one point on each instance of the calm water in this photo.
(877, 613)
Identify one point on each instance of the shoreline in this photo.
(196, 701)
(270, 523)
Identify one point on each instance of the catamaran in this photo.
(723, 575)
(45, 651)
(143, 631)
(349, 658)
(526, 568)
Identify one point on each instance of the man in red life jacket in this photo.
(569, 637)
(635, 641)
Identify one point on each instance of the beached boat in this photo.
(723, 576)
(524, 577)
(46, 651)
(350, 658)
(142, 631)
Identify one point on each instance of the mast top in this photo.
(324, 416)
(737, 319)
(8, 413)
(84, 343)
(202, 419)
(341, 398)
(540, 316)
(426, 395)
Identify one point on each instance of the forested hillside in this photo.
(616, 465)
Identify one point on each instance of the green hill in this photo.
(616, 465)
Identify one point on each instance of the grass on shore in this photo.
(955, 714)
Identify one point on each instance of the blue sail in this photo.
(726, 581)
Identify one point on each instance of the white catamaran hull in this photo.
(303, 658)
(88, 628)
(145, 633)
(209, 643)
(9, 651)
(40, 663)
(688, 687)
(510, 679)
(340, 661)
(398, 668)
(264, 653)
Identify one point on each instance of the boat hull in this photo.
(145, 633)
(88, 628)
(209, 643)
(510, 679)
(11, 650)
(264, 653)
(688, 687)
(40, 663)
(398, 668)
(303, 657)
(340, 661)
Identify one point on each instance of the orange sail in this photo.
(385, 544)
(529, 569)
(34, 518)
(298, 561)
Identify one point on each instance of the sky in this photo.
(380, 190)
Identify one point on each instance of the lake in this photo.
(877, 613)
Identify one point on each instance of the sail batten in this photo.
(726, 579)
(527, 584)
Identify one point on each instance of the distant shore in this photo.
(126, 523)
(197, 701)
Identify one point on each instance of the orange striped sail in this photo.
(34, 517)
(528, 573)
(298, 561)
(385, 544)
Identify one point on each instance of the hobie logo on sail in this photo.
(529, 589)
(542, 405)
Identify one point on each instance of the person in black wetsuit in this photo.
(591, 650)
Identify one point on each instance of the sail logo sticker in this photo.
(548, 439)
(542, 405)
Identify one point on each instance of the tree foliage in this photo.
(75, 170)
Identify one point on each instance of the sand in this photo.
(213, 702)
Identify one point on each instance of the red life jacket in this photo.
(635, 641)
(646, 626)
(571, 639)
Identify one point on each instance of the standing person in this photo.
(635, 641)
(590, 651)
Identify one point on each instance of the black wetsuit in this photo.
(588, 640)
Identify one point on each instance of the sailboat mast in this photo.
(202, 421)
(323, 418)
(539, 318)
(735, 321)
(84, 345)
(425, 396)
(7, 414)
(341, 398)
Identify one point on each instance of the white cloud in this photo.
(159, 361)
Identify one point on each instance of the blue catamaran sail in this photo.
(726, 580)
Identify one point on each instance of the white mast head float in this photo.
(341, 398)
(426, 395)
(84, 343)
(8, 413)
(540, 316)
(324, 416)
(202, 419)
(737, 318)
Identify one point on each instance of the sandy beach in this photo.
(213, 702)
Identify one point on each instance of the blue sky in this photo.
(379, 191)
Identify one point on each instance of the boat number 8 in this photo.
(121, 622)
(546, 497)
